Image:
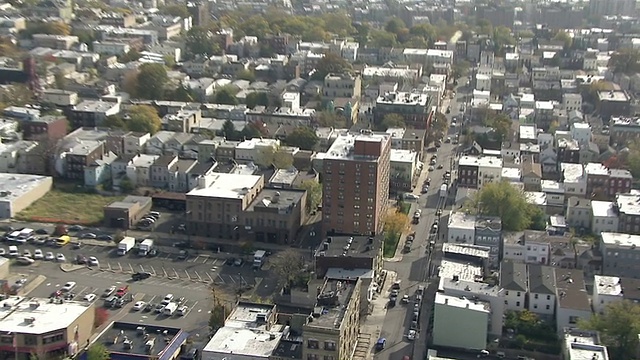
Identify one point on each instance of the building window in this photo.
(30, 340)
(518, 303)
(330, 345)
(312, 357)
(548, 297)
(312, 344)
(548, 307)
(52, 338)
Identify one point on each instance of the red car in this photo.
(56, 294)
(122, 291)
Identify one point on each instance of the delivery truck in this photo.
(126, 245)
(145, 247)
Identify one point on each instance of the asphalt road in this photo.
(418, 265)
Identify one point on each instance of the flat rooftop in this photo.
(403, 99)
(583, 345)
(284, 176)
(596, 169)
(468, 250)
(403, 156)
(572, 172)
(354, 246)
(462, 303)
(14, 186)
(227, 186)
(620, 240)
(472, 287)
(39, 316)
(343, 147)
(465, 271)
(332, 303)
(628, 204)
(603, 209)
(480, 161)
(277, 201)
(254, 343)
(142, 339)
(461, 220)
(607, 285)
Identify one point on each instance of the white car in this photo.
(183, 310)
(167, 299)
(93, 261)
(3, 252)
(60, 258)
(26, 253)
(68, 286)
(411, 335)
(90, 297)
(38, 255)
(49, 256)
(139, 305)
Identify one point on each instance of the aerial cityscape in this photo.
(319, 180)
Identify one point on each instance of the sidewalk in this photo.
(371, 326)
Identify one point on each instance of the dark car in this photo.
(181, 245)
(229, 261)
(150, 306)
(75, 228)
(140, 276)
(105, 237)
(183, 255)
(42, 232)
(81, 259)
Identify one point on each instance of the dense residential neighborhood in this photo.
(319, 180)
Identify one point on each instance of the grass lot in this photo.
(68, 205)
(390, 244)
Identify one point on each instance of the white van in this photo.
(13, 251)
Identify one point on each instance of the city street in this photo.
(419, 265)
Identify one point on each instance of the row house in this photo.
(528, 286)
(475, 171)
(132, 168)
(171, 173)
(607, 182)
(628, 211)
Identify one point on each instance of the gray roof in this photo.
(513, 276)
(542, 279)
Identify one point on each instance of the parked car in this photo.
(38, 255)
(140, 276)
(42, 232)
(105, 237)
(93, 261)
(68, 286)
(88, 236)
(81, 259)
(90, 297)
(24, 260)
(60, 258)
(108, 291)
(49, 256)
(139, 306)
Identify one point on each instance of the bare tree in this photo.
(287, 265)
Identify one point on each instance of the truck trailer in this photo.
(126, 245)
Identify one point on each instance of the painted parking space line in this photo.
(193, 259)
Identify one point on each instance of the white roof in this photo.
(628, 203)
(596, 169)
(230, 186)
(343, 146)
(14, 186)
(43, 316)
(551, 186)
(620, 240)
(480, 161)
(403, 156)
(511, 173)
(461, 220)
(572, 172)
(607, 285)
(603, 209)
(257, 142)
(462, 303)
(251, 343)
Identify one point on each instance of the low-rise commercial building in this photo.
(18, 191)
(454, 316)
(126, 213)
(583, 344)
(142, 341)
(34, 326)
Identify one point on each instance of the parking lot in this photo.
(197, 295)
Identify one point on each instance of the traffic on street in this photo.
(416, 267)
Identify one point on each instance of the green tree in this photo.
(225, 96)
(392, 121)
(632, 159)
(460, 69)
(382, 39)
(114, 122)
(625, 61)
(362, 33)
(49, 28)
(314, 194)
(338, 23)
(331, 119)
(566, 39)
(151, 81)
(257, 98)
(303, 137)
(143, 118)
(199, 41)
(330, 63)
(182, 93)
(175, 10)
(246, 75)
(229, 130)
(505, 201)
(618, 327)
(394, 26)
(97, 351)
(502, 37)
(501, 124)
(250, 131)
(425, 31)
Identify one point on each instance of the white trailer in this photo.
(126, 245)
(145, 246)
(443, 190)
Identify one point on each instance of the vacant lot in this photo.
(60, 206)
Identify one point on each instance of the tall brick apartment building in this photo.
(356, 183)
